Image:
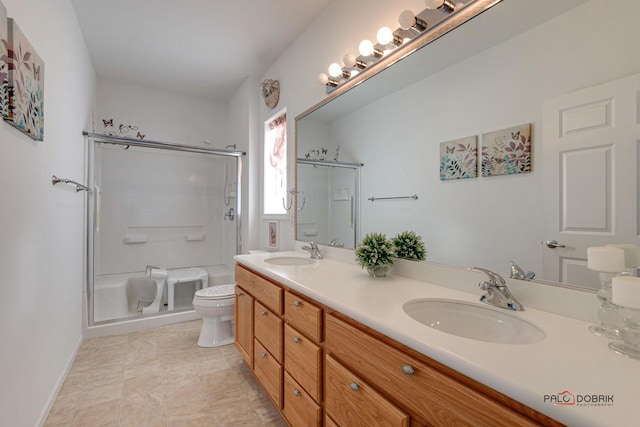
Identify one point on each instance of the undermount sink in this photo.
(288, 260)
(474, 321)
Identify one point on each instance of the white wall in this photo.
(162, 115)
(41, 249)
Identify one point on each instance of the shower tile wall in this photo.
(158, 208)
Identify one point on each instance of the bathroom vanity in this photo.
(331, 346)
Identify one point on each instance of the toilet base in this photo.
(216, 332)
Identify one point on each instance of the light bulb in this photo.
(323, 79)
(366, 48)
(335, 70)
(384, 36)
(407, 19)
(433, 4)
(349, 60)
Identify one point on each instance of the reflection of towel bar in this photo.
(373, 199)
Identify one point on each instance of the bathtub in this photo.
(118, 298)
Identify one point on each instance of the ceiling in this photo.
(203, 48)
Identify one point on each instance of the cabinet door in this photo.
(244, 325)
(351, 402)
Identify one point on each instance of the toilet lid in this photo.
(216, 292)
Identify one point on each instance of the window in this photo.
(275, 165)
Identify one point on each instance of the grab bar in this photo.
(79, 187)
(373, 199)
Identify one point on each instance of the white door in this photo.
(590, 157)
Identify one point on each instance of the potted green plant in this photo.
(376, 253)
(409, 246)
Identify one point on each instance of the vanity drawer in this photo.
(299, 408)
(303, 360)
(268, 330)
(269, 373)
(351, 402)
(427, 392)
(303, 315)
(262, 289)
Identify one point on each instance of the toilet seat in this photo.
(216, 292)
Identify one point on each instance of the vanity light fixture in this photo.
(444, 5)
(411, 26)
(408, 21)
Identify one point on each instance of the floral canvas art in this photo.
(507, 151)
(25, 109)
(459, 159)
(4, 61)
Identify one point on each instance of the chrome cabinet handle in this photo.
(297, 303)
(408, 370)
(240, 294)
(263, 355)
(553, 244)
(354, 386)
(264, 313)
(296, 392)
(296, 340)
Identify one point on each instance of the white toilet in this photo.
(215, 305)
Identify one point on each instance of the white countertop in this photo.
(570, 358)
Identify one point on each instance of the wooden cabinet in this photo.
(351, 402)
(321, 368)
(244, 325)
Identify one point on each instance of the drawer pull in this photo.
(408, 370)
(296, 340)
(264, 313)
(240, 294)
(354, 386)
(297, 303)
(263, 355)
(296, 392)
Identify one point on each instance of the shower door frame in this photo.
(90, 200)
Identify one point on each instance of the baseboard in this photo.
(59, 383)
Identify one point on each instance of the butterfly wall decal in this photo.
(450, 150)
(140, 136)
(107, 122)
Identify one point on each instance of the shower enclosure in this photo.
(168, 206)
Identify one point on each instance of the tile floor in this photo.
(160, 377)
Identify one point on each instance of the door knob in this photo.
(553, 244)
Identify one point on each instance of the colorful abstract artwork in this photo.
(4, 62)
(459, 159)
(507, 151)
(25, 109)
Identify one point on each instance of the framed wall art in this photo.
(25, 109)
(4, 62)
(459, 158)
(273, 234)
(507, 151)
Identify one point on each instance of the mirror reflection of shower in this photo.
(158, 227)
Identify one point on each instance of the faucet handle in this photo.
(313, 245)
(494, 278)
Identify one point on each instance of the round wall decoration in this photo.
(271, 92)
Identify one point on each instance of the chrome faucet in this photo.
(518, 273)
(313, 249)
(498, 293)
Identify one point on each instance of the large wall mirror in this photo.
(555, 66)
